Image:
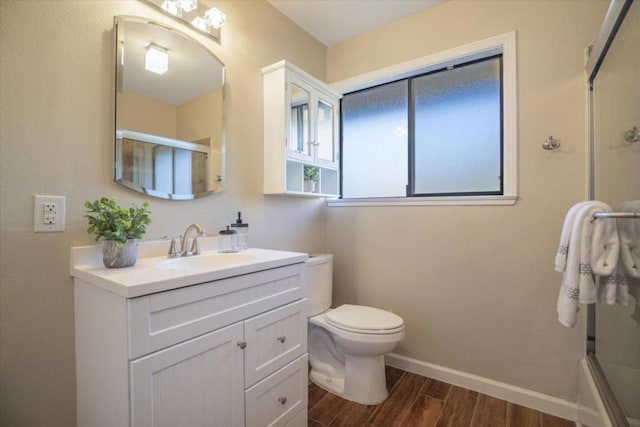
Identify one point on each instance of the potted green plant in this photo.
(119, 227)
(311, 175)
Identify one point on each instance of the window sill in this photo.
(426, 201)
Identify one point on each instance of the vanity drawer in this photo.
(160, 320)
(274, 339)
(279, 398)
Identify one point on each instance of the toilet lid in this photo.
(359, 318)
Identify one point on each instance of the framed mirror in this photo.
(169, 133)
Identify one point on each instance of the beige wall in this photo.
(143, 114)
(56, 130)
(476, 285)
(201, 118)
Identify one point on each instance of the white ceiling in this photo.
(332, 21)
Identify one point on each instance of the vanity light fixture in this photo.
(156, 59)
(172, 7)
(201, 16)
(200, 23)
(188, 5)
(215, 17)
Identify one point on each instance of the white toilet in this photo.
(347, 344)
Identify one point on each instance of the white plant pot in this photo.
(309, 186)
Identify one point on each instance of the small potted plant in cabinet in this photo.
(311, 176)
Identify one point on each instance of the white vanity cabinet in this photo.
(228, 352)
(301, 131)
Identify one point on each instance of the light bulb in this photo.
(156, 59)
(201, 24)
(172, 7)
(215, 17)
(188, 5)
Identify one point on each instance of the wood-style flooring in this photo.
(416, 401)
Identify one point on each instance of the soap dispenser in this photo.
(242, 228)
(228, 240)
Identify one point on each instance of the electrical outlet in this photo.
(48, 214)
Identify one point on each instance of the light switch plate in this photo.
(48, 214)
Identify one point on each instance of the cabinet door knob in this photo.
(282, 339)
(242, 344)
(282, 400)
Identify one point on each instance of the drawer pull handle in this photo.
(282, 400)
(282, 339)
(242, 344)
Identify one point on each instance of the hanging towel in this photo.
(577, 282)
(605, 246)
(563, 247)
(629, 230)
(613, 288)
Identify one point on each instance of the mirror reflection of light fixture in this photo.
(156, 59)
(204, 18)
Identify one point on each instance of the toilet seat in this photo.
(364, 320)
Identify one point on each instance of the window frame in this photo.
(503, 44)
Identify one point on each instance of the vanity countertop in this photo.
(150, 273)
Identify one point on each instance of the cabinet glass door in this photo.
(300, 123)
(325, 133)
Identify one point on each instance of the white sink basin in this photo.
(210, 261)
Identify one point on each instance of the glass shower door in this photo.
(615, 118)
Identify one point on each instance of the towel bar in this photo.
(618, 215)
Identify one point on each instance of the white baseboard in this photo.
(521, 396)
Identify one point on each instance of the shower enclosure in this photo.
(613, 336)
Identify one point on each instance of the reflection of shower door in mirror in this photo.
(615, 175)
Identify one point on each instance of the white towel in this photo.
(613, 289)
(634, 290)
(629, 230)
(563, 247)
(577, 283)
(605, 246)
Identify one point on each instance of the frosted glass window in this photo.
(435, 134)
(457, 144)
(374, 135)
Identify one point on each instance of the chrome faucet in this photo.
(184, 241)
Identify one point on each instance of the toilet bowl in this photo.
(347, 344)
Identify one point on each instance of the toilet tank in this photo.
(319, 282)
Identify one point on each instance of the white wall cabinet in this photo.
(301, 131)
(226, 353)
